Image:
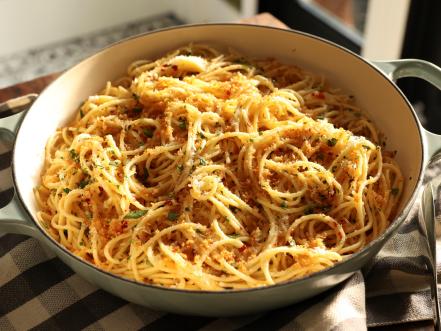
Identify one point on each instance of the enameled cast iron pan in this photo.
(371, 83)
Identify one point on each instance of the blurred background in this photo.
(45, 36)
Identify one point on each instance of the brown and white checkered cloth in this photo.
(39, 292)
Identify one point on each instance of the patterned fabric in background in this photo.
(23, 66)
(39, 292)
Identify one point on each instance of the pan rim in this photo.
(320, 274)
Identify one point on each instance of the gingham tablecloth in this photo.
(39, 292)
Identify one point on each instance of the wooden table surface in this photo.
(38, 84)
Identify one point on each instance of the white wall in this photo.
(27, 24)
(194, 11)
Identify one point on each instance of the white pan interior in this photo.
(373, 93)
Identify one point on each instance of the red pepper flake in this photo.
(172, 216)
(124, 224)
(174, 67)
(242, 249)
(318, 95)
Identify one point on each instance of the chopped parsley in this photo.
(284, 205)
(84, 183)
(332, 142)
(137, 110)
(135, 96)
(234, 235)
(202, 161)
(180, 167)
(81, 113)
(135, 214)
(325, 208)
(334, 168)
(172, 216)
(66, 190)
(201, 135)
(308, 210)
(395, 191)
(145, 175)
(182, 123)
(99, 166)
(242, 60)
(148, 133)
(74, 155)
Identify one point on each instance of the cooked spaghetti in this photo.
(208, 170)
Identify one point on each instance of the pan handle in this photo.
(431, 73)
(17, 105)
(12, 216)
(14, 220)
